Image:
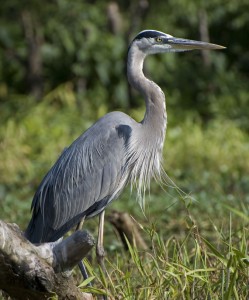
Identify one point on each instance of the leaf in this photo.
(215, 251)
(86, 281)
(237, 212)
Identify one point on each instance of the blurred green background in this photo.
(63, 65)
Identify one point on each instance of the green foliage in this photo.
(75, 44)
(214, 156)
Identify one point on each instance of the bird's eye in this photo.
(158, 39)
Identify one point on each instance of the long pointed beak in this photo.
(184, 44)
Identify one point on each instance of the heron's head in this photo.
(152, 41)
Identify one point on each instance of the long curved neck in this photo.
(155, 115)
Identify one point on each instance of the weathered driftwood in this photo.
(31, 272)
(126, 227)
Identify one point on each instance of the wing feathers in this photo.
(86, 177)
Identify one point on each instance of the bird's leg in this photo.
(80, 224)
(83, 271)
(80, 264)
(100, 252)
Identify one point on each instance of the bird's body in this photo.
(74, 188)
(116, 150)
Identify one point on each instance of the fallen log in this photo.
(127, 228)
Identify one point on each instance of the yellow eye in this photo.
(159, 40)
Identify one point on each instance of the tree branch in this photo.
(30, 272)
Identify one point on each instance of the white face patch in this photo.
(152, 42)
(144, 43)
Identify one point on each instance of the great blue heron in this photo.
(116, 150)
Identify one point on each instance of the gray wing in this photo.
(85, 178)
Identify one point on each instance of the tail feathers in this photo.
(35, 231)
(39, 231)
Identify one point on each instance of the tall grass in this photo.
(178, 268)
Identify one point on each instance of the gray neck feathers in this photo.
(155, 118)
(145, 148)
